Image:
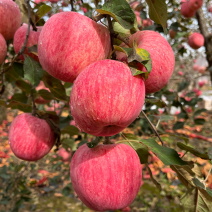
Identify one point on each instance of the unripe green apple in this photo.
(10, 17)
(106, 98)
(106, 177)
(30, 137)
(69, 42)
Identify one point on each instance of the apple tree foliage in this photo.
(20, 79)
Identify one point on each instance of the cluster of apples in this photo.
(10, 21)
(137, 8)
(105, 99)
(190, 7)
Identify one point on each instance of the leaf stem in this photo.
(152, 126)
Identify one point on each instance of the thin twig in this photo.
(209, 173)
(152, 126)
(72, 5)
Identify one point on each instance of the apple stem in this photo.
(34, 108)
(112, 33)
(107, 140)
(152, 126)
(94, 143)
(72, 5)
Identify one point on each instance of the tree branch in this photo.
(208, 38)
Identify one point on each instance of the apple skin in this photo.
(19, 39)
(147, 22)
(30, 137)
(52, 1)
(189, 7)
(64, 154)
(76, 41)
(3, 49)
(106, 177)
(10, 16)
(172, 33)
(106, 98)
(196, 40)
(162, 56)
(195, 4)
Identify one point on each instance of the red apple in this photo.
(106, 177)
(20, 36)
(172, 33)
(52, 1)
(162, 56)
(202, 83)
(180, 73)
(196, 40)
(210, 8)
(195, 4)
(3, 49)
(69, 42)
(147, 22)
(185, 10)
(189, 7)
(106, 98)
(30, 137)
(138, 18)
(136, 6)
(64, 154)
(10, 17)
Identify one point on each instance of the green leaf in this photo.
(178, 125)
(33, 72)
(198, 183)
(141, 150)
(125, 50)
(166, 118)
(197, 199)
(121, 11)
(193, 151)
(210, 153)
(45, 94)
(24, 86)
(142, 56)
(71, 130)
(124, 33)
(3, 103)
(20, 97)
(158, 12)
(15, 72)
(43, 10)
(198, 112)
(167, 155)
(183, 85)
(158, 102)
(134, 57)
(55, 86)
(69, 143)
(20, 106)
(199, 121)
(183, 115)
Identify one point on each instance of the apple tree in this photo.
(102, 91)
